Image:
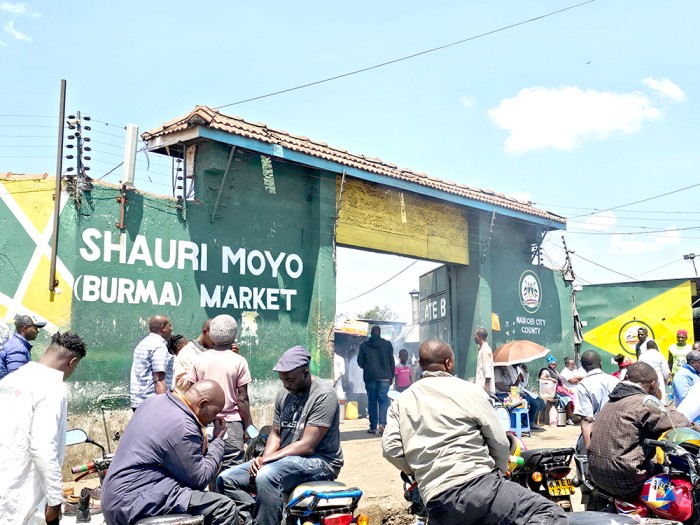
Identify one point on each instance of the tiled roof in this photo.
(205, 116)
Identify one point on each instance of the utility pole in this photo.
(53, 282)
(570, 277)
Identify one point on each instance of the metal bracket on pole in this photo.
(122, 200)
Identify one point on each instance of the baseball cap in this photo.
(28, 320)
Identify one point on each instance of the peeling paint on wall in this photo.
(268, 175)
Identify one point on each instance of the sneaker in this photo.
(381, 429)
(570, 422)
(372, 431)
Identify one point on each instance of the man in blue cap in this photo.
(304, 444)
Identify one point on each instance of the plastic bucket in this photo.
(342, 409)
(351, 411)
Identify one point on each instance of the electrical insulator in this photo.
(71, 137)
(77, 134)
(69, 146)
(70, 157)
(87, 158)
(87, 148)
(71, 127)
(178, 169)
(87, 128)
(70, 169)
(179, 187)
(179, 178)
(71, 117)
(86, 117)
(86, 168)
(86, 139)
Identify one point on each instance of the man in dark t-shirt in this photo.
(304, 444)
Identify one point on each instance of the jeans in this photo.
(271, 484)
(377, 397)
(216, 508)
(492, 500)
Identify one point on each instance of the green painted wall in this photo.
(266, 259)
(492, 283)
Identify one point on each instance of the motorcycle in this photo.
(545, 471)
(78, 509)
(673, 494)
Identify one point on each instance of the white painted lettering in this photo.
(272, 296)
(230, 299)
(146, 292)
(110, 247)
(172, 252)
(140, 251)
(293, 257)
(167, 296)
(227, 256)
(187, 251)
(91, 288)
(209, 301)
(274, 263)
(288, 294)
(125, 291)
(92, 253)
(255, 254)
(245, 294)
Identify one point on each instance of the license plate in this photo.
(560, 487)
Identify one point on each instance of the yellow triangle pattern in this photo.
(663, 316)
(54, 307)
(35, 197)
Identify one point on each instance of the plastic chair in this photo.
(520, 422)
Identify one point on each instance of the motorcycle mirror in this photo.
(75, 436)
(653, 404)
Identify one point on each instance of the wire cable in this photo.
(379, 285)
(408, 57)
(604, 267)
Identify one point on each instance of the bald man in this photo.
(152, 367)
(164, 461)
(444, 431)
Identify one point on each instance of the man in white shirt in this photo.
(484, 362)
(653, 358)
(33, 433)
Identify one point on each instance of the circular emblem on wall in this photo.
(628, 335)
(530, 291)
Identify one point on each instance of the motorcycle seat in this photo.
(320, 486)
(172, 519)
(598, 518)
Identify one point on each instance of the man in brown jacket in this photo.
(618, 461)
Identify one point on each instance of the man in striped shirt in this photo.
(152, 367)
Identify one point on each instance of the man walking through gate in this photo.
(376, 358)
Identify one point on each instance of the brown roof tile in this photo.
(205, 116)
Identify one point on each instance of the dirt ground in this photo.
(383, 489)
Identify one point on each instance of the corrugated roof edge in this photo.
(206, 116)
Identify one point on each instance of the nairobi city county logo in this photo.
(530, 291)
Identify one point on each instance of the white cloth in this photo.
(690, 406)
(34, 402)
(567, 374)
(353, 374)
(338, 373)
(484, 368)
(654, 359)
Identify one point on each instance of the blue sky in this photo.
(585, 110)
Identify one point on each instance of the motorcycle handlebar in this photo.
(82, 468)
(655, 443)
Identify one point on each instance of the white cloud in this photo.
(18, 35)
(664, 88)
(601, 222)
(638, 244)
(540, 117)
(20, 8)
(468, 101)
